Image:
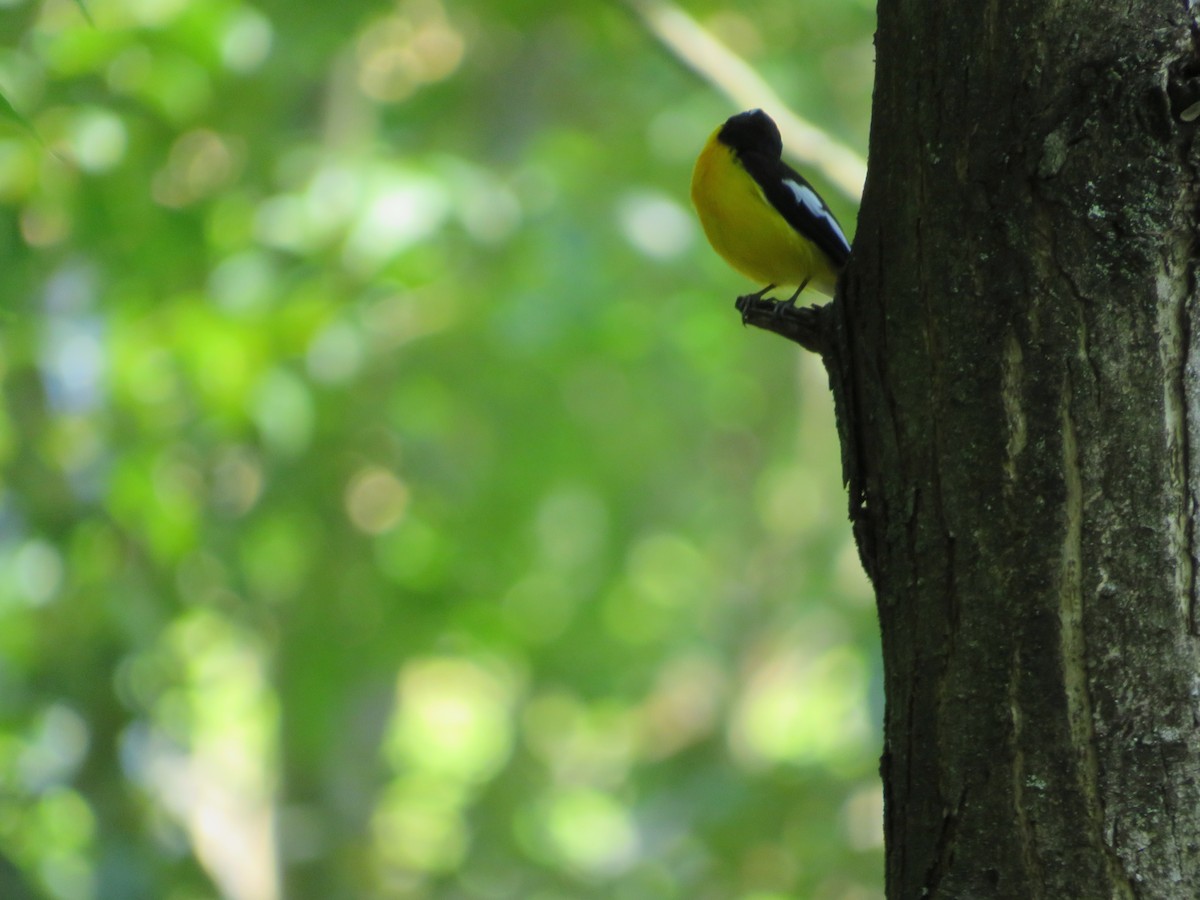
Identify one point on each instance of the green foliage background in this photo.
(393, 505)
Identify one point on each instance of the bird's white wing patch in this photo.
(808, 198)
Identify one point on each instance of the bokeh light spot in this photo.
(38, 568)
(237, 481)
(58, 747)
(418, 824)
(97, 139)
(284, 413)
(376, 500)
(571, 525)
(244, 282)
(655, 225)
(590, 831)
(789, 500)
(801, 706)
(581, 744)
(669, 571)
(453, 717)
(402, 208)
(246, 41)
(200, 162)
(683, 705)
(540, 606)
(862, 817)
(336, 354)
(401, 52)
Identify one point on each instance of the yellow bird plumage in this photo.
(760, 215)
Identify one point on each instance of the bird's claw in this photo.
(781, 305)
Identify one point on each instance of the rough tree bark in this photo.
(1014, 356)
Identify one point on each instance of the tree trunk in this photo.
(1019, 396)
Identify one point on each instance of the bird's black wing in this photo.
(795, 200)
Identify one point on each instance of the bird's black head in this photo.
(752, 131)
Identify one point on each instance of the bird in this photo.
(761, 215)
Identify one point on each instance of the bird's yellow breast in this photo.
(746, 230)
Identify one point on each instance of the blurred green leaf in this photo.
(8, 111)
(87, 15)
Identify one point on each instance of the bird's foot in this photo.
(790, 303)
(746, 302)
